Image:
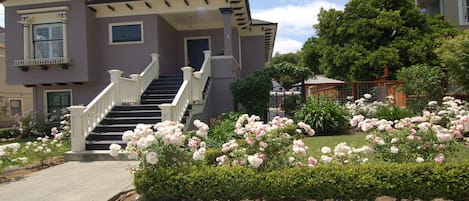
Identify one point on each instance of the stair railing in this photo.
(121, 90)
(190, 91)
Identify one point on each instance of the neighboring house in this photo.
(455, 11)
(15, 100)
(63, 50)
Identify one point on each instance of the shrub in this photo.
(412, 146)
(392, 112)
(222, 129)
(323, 115)
(9, 133)
(253, 92)
(422, 83)
(353, 182)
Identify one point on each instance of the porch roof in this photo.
(185, 15)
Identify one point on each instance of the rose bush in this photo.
(430, 137)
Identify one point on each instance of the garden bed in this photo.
(20, 172)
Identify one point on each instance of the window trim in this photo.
(461, 6)
(34, 41)
(32, 17)
(21, 106)
(45, 103)
(111, 25)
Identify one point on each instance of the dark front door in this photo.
(195, 52)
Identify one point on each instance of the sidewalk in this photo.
(72, 181)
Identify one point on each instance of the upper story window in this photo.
(44, 36)
(126, 33)
(48, 41)
(430, 7)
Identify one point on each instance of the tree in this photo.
(293, 58)
(310, 54)
(356, 43)
(454, 56)
(422, 83)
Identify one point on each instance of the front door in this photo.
(195, 52)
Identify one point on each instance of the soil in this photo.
(18, 173)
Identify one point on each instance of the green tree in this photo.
(356, 43)
(293, 58)
(288, 74)
(310, 54)
(422, 83)
(454, 56)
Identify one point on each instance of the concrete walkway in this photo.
(72, 181)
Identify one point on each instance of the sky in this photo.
(295, 19)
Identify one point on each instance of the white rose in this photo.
(151, 158)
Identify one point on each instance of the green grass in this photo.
(315, 143)
(357, 140)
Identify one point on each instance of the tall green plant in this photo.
(422, 83)
(454, 56)
(253, 92)
(324, 116)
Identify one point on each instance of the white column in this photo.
(166, 112)
(138, 91)
(115, 78)
(79, 128)
(64, 43)
(26, 39)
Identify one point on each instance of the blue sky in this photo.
(295, 19)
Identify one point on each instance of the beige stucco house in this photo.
(455, 11)
(14, 99)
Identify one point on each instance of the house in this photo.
(116, 63)
(455, 11)
(15, 100)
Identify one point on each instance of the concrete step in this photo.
(95, 155)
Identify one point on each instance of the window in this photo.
(430, 7)
(57, 100)
(464, 11)
(48, 41)
(44, 37)
(126, 33)
(16, 107)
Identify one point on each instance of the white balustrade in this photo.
(190, 91)
(121, 90)
(38, 62)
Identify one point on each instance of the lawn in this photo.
(357, 140)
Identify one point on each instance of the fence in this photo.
(343, 92)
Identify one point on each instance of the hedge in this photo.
(361, 182)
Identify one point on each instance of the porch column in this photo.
(228, 49)
(63, 17)
(26, 22)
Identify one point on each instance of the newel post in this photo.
(187, 76)
(155, 58)
(78, 127)
(197, 86)
(166, 112)
(138, 88)
(115, 78)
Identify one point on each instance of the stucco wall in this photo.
(130, 58)
(8, 92)
(168, 48)
(451, 12)
(77, 33)
(252, 55)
